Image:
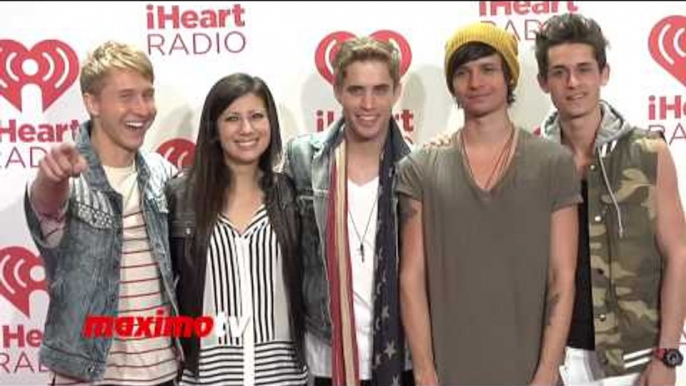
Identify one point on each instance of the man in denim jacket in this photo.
(344, 180)
(97, 213)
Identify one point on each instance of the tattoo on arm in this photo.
(550, 307)
(406, 210)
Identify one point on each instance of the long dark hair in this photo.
(209, 176)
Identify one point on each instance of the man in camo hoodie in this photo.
(631, 271)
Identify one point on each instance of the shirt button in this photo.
(600, 271)
(598, 218)
(593, 167)
(602, 317)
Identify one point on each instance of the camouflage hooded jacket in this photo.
(626, 266)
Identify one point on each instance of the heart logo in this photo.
(178, 151)
(329, 46)
(21, 273)
(667, 43)
(51, 65)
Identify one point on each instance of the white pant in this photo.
(581, 368)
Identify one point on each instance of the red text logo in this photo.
(17, 351)
(174, 30)
(329, 46)
(51, 65)
(663, 111)
(147, 326)
(21, 273)
(178, 151)
(523, 19)
(667, 43)
(496, 8)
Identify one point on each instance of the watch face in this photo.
(673, 358)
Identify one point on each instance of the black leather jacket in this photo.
(189, 257)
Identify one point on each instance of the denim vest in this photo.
(83, 270)
(308, 163)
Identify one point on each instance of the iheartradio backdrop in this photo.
(289, 45)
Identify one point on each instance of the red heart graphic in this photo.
(178, 151)
(16, 283)
(51, 65)
(667, 43)
(329, 46)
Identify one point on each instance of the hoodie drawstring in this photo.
(612, 195)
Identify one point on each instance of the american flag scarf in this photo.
(388, 357)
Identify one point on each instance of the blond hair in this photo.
(109, 56)
(362, 49)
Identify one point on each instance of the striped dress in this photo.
(244, 290)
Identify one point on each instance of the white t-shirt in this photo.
(362, 219)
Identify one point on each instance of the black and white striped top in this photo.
(244, 289)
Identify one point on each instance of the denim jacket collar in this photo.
(95, 172)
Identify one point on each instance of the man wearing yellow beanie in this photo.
(501, 293)
(498, 39)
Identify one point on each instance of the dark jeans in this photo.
(408, 380)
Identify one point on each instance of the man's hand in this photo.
(545, 377)
(62, 162)
(657, 374)
(50, 190)
(441, 140)
(429, 379)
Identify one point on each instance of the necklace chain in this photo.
(499, 163)
(366, 228)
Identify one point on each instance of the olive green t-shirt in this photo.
(487, 256)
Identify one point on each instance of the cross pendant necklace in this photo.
(366, 228)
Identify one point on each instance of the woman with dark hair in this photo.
(234, 228)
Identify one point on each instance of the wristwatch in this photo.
(671, 357)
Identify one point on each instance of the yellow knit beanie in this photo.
(502, 41)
